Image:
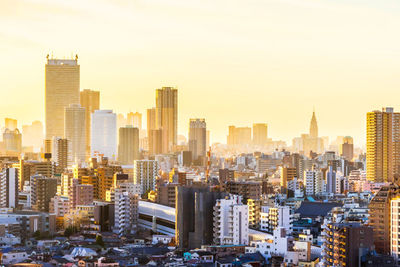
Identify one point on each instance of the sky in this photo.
(234, 62)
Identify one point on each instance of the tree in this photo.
(36, 234)
(70, 230)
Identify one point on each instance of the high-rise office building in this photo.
(32, 135)
(313, 126)
(12, 140)
(383, 145)
(145, 173)
(10, 124)
(134, 119)
(198, 138)
(75, 132)
(128, 147)
(347, 148)
(90, 100)
(104, 133)
(167, 117)
(61, 89)
(239, 135)
(260, 134)
(154, 135)
(9, 188)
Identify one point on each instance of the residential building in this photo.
(75, 133)
(104, 134)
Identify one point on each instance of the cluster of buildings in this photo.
(97, 189)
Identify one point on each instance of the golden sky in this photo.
(233, 61)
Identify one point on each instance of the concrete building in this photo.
(10, 124)
(194, 216)
(246, 189)
(75, 133)
(383, 145)
(239, 136)
(347, 148)
(62, 79)
(126, 212)
(104, 134)
(167, 117)
(380, 217)
(313, 182)
(198, 139)
(395, 229)
(231, 226)
(145, 173)
(60, 152)
(134, 120)
(128, 147)
(254, 213)
(90, 100)
(42, 190)
(80, 194)
(344, 244)
(9, 188)
(287, 175)
(276, 217)
(12, 140)
(260, 134)
(33, 135)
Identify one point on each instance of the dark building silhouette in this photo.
(194, 216)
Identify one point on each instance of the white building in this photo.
(275, 217)
(231, 221)
(313, 182)
(279, 245)
(126, 212)
(104, 134)
(145, 173)
(75, 133)
(13, 257)
(395, 231)
(9, 188)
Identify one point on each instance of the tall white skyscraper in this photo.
(104, 133)
(75, 132)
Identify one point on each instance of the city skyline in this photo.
(277, 76)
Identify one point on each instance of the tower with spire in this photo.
(313, 126)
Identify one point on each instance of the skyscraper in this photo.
(104, 133)
(383, 145)
(10, 124)
(61, 90)
(197, 138)
(167, 116)
(260, 134)
(12, 140)
(347, 148)
(128, 147)
(75, 132)
(135, 119)
(90, 100)
(313, 126)
(32, 135)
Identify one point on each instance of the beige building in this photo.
(128, 147)
(135, 119)
(383, 145)
(90, 100)
(198, 138)
(61, 90)
(167, 117)
(260, 134)
(75, 133)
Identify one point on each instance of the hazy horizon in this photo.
(233, 62)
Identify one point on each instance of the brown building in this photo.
(42, 190)
(379, 217)
(247, 189)
(287, 174)
(343, 243)
(165, 193)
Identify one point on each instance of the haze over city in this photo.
(234, 62)
(213, 133)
